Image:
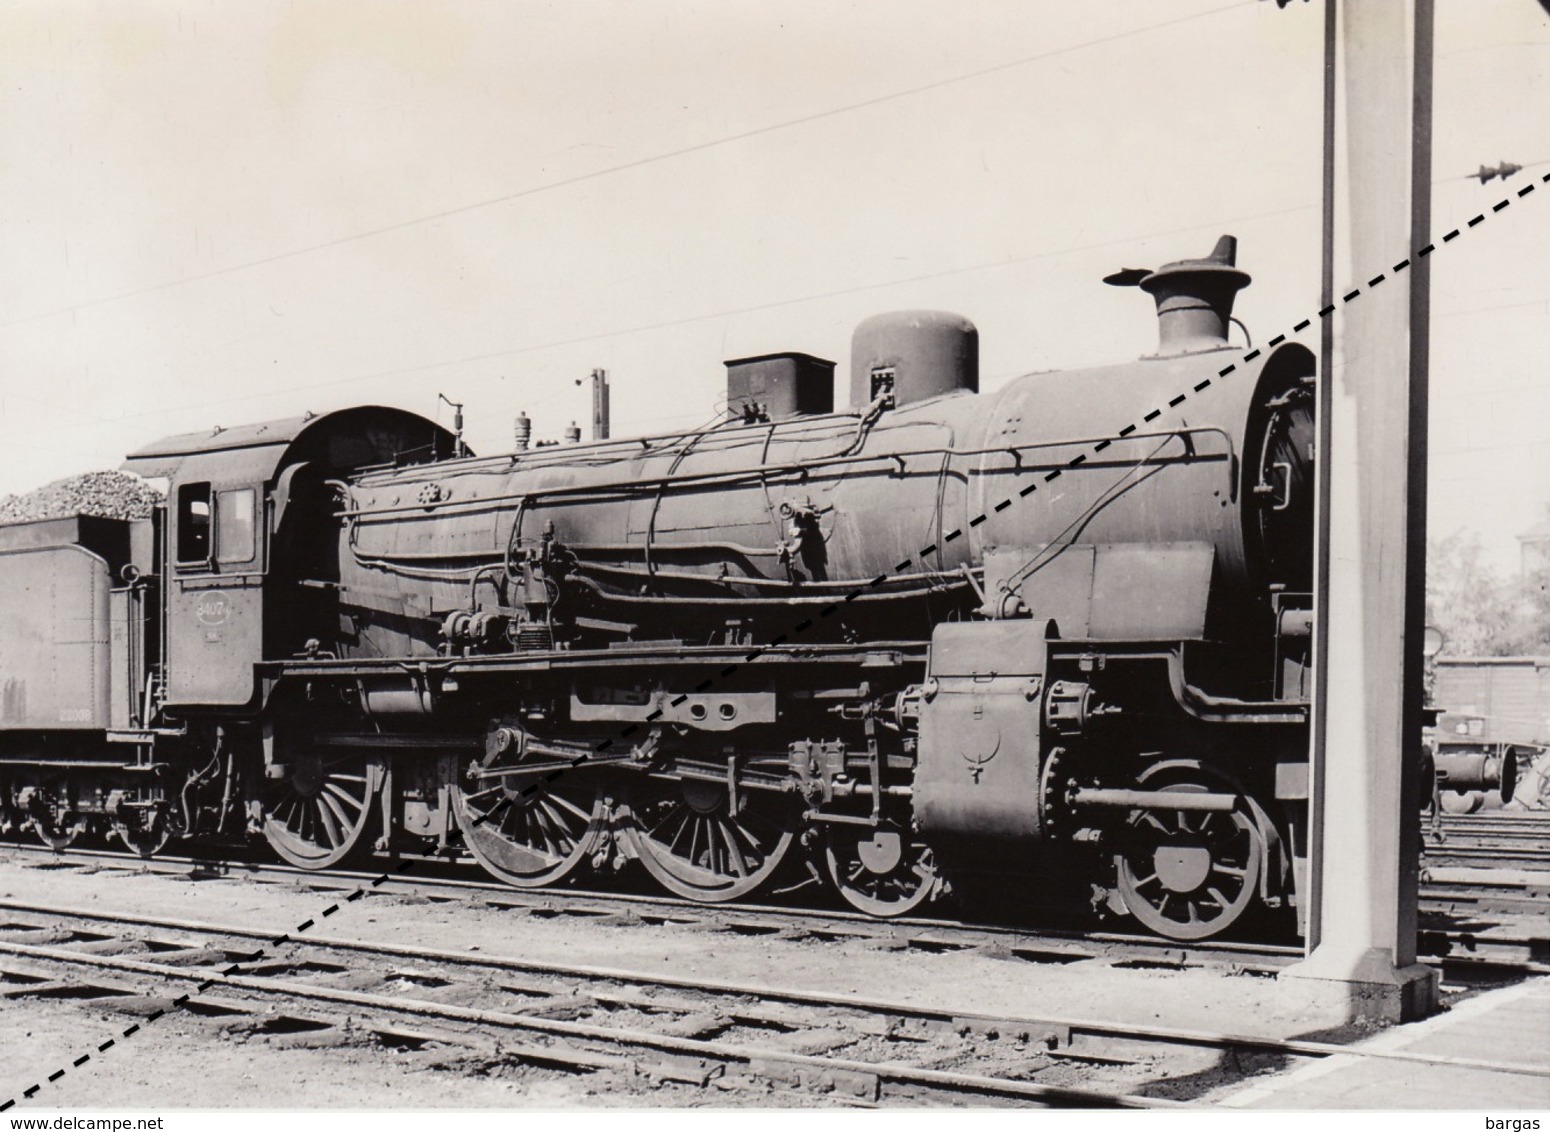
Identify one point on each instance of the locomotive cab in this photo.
(229, 495)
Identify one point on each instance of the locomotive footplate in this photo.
(657, 654)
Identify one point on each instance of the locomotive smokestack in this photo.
(523, 432)
(1194, 297)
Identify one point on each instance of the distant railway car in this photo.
(1061, 628)
(1495, 711)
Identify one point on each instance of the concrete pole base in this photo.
(1365, 986)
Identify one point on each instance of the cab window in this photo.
(234, 525)
(193, 523)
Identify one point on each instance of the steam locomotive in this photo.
(933, 634)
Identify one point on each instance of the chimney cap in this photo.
(1222, 263)
(1194, 297)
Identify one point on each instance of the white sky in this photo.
(213, 212)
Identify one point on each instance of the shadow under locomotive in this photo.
(1059, 632)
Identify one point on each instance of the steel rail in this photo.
(1006, 1023)
(837, 921)
(1503, 854)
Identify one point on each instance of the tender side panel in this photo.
(53, 639)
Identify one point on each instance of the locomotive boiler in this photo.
(930, 635)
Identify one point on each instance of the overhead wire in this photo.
(707, 316)
(653, 159)
(625, 166)
(667, 324)
(732, 312)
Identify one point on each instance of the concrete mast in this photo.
(1370, 580)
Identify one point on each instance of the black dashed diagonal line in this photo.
(801, 627)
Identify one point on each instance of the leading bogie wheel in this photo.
(1189, 874)
(701, 845)
(524, 830)
(885, 871)
(320, 813)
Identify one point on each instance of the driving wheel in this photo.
(527, 831)
(318, 814)
(699, 845)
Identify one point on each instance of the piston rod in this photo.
(1154, 799)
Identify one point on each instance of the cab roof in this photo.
(344, 440)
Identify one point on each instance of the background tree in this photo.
(1479, 611)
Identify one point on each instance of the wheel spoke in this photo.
(492, 792)
(562, 802)
(668, 815)
(324, 808)
(739, 865)
(546, 831)
(332, 806)
(559, 816)
(355, 802)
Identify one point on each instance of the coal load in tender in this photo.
(111, 495)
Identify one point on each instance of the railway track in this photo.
(1486, 830)
(591, 1020)
(788, 920)
(1490, 856)
(1503, 821)
(1498, 819)
(1501, 839)
(1462, 926)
